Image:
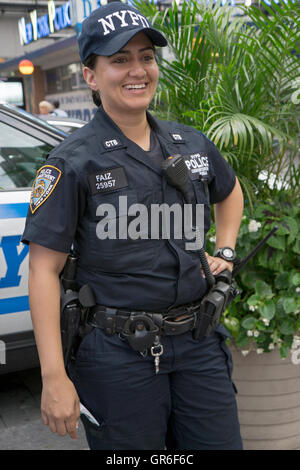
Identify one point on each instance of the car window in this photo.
(20, 156)
(67, 129)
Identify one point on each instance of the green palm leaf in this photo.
(236, 82)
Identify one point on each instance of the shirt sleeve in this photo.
(56, 203)
(223, 180)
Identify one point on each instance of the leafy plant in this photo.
(267, 312)
(238, 82)
(237, 79)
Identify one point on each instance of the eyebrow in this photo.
(124, 51)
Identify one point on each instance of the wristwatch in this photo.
(227, 253)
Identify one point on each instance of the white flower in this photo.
(266, 321)
(245, 352)
(249, 333)
(259, 350)
(295, 357)
(297, 289)
(212, 239)
(254, 226)
(296, 342)
(271, 346)
(255, 333)
(252, 308)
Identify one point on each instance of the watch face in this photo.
(228, 252)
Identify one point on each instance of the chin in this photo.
(137, 107)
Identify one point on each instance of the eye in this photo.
(119, 60)
(149, 58)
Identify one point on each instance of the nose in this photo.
(137, 69)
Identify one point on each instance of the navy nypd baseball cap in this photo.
(110, 27)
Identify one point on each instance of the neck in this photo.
(134, 126)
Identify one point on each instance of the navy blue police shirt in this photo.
(94, 176)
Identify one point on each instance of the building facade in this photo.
(45, 32)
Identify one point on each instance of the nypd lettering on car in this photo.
(13, 263)
(25, 142)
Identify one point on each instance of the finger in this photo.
(208, 257)
(215, 266)
(52, 425)
(223, 267)
(71, 426)
(217, 271)
(61, 428)
(45, 418)
(229, 266)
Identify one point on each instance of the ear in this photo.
(90, 78)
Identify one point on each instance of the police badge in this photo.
(46, 179)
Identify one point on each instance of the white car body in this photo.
(25, 142)
(14, 305)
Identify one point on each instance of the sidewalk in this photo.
(21, 427)
(36, 436)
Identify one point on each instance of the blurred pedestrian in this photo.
(45, 108)
(57, 111)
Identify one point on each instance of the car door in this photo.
(23, 149)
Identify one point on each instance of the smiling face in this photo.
(127, 80)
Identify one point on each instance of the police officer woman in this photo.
(93, 185)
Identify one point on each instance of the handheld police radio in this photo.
(177, 175)
(222, 288)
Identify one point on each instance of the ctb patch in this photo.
(44, 183)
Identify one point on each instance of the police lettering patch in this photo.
(46, 179)
(105, 181)
(112, 143)
(197, 165)
(122, 19)
(177, 138)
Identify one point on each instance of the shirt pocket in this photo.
(113, 248)
(201, 191)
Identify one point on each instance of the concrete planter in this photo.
(268, 400)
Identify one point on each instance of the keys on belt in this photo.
(156, 351)
(143, 330)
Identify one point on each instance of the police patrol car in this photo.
(24, 143)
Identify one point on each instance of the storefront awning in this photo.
(12, 64)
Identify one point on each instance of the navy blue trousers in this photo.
(190, 404)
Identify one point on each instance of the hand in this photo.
(60, 406)
(217, 265)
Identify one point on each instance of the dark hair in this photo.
(55, 103)
(91, 64)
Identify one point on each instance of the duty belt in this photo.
(143, 330)
(173, 322)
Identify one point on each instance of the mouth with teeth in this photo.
(140, 86)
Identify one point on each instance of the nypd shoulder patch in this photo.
(46, 179)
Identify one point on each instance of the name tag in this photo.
(110, 179)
